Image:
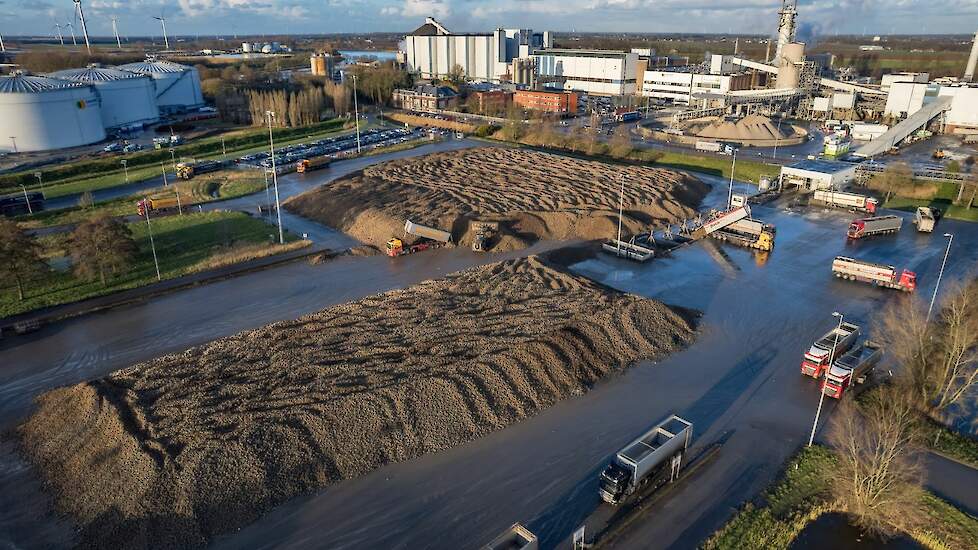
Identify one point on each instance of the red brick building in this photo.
(492, 101)
(550, 102)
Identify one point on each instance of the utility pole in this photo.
(356, 111)
(28, 199)
(152, 244)
(271, 147)
(821, 392)
(933, 298)
(733, 169)
(163, 169)
(125, 166)
(224, 149)
(621, 208)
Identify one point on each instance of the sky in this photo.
(251, 17)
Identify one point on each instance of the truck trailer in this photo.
(164, 204)
(747, 233)
(878, 274)
(853, 367)
(308, 165)
(430, 237)
(711, 146)
(846, 200)
(878, 225)
(516, 537)
(925, 219)
(189, 170)
(654, 458)
(835, 342)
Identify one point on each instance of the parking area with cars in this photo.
(333, 147)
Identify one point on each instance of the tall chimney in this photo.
(969, 73)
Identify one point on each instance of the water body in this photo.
(382, 55)
(834, 531)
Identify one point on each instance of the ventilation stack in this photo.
(786, 26)
(969, 73)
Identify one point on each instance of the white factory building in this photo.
(177, 86)
(811, 175)
(39, 113)
(432, 51)
(601, 72)
(906, 98)
(127, 99)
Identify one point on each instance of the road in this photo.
(741, 375)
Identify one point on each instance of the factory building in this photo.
(679, 86)
(889, 79)
(432, 51)
(811, 175)
(491, 101)
(599, 72)
(905, 98)
(424, 97)
(177, 86)
(39, 113)
(127, 99)
(549, 102)
(962, 117)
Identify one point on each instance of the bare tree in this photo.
(878, 480)
(907, 338)
(100, 247)
(954, 372)
(897, 177)
(19, 256)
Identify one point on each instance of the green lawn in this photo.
(949, 443)
(943, 200)
(747, 170)
(182, 243)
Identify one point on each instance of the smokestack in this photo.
(786, 26)
(969, 73)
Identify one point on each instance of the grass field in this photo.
(747, 170)
(184, 244)
(942, 199)
(800, 496)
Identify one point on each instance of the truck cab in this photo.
(816, 362)
(836, 381)
(395, 247)
(908, 280)
(615, 480)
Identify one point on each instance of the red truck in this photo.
(834, 343)
(873, 273)
(853, 367)
(878, 225)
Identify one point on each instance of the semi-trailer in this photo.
(711, 146)
(878, 225)
(654, 458)
(747, 233)
(925, 219)
(855, 366)
(878, 274)
(835, 342)
(516, 537)
(163, 204)
(429, 237)
(189, 170)
(846, 200)
(308, 165)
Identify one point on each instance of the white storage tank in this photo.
(39, 113)
(127, 98)
(177, 86)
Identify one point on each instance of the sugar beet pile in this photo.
(536, 195)
(173, 451)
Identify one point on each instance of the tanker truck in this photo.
(878, 274)
(654, 458)
(846, 200)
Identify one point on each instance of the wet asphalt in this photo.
(739, 380)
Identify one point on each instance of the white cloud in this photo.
(420, 8)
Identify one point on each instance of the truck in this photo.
(429, 237)
(516, 537)
(654, 458)
(627, 116)
(878, 274)
(308, 165)
(835, 342)
(852, 201)
(162, 204)
(482, 233)
(877, 225)
(924, 219)
(187, 170)
(856, 365)
(747, 233)
(711, 146)
(719, 220)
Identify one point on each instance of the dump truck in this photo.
(516, 537)
(719, 220)
(187, 170)
(878, 274)
(924, 219)
(747, 233)
(855, 366)
(429, 237)
(308, 165)
(853, 201)
(835, 342)
(163, 204)
(654, 458)
(878, 225)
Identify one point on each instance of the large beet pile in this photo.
(175, 450)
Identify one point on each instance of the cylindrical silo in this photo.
(969, 71)
(127, 98)
(177, 86)
(39, 113)
(789, 66)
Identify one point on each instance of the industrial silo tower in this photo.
(127, 98)
(39, 113)
(177, 86)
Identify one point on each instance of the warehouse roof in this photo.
(95, 74)
(584, 53)
(30, 84)
(154, 66)
(823, 166)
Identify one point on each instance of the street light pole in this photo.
(163, 169)
(821, 390)
(271, 147)
(621, 205)
(125, 167)
(777, 138)
(733, 169)
(173, 159)
(356, 111)
(224, 149)
(152, 244)
(28, 199)
(933, 298)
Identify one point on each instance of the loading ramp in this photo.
(904, 128)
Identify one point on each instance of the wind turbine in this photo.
(60, 36)
(81, 15)
(162, 21)
(2, 47)
(71, 28)
(115, 30)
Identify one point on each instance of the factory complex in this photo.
(77, 107)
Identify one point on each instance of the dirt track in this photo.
(173, 451)
(537, 195)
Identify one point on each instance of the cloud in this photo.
(420, 8)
